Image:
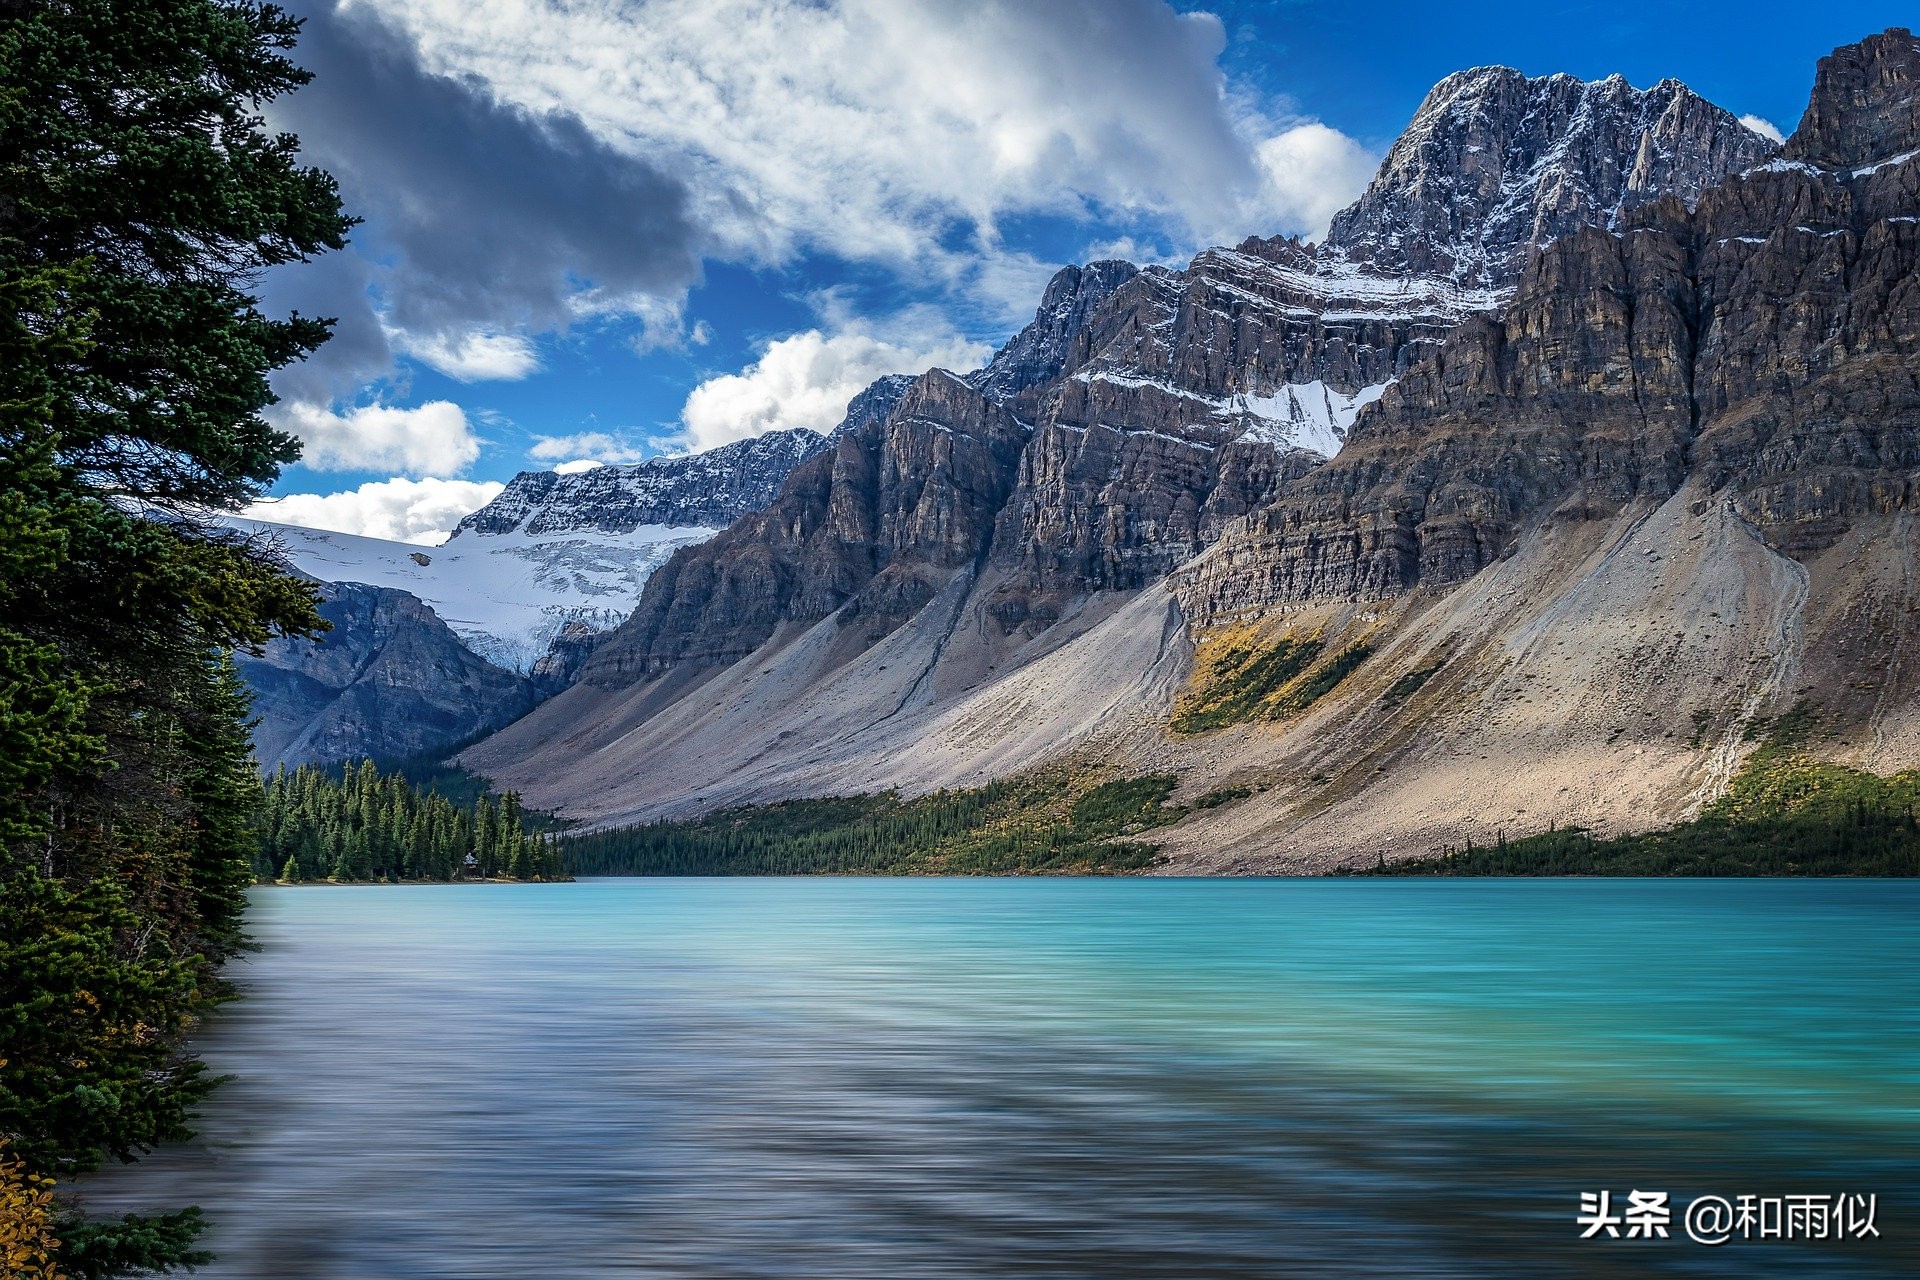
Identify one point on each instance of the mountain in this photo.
(706, 490)
(872, 404)
(1600, 541)
(1164, 403)
(389, 679)
(506, 595)
(1036, 355)
(1496, 164)
(979, 581)
(432, 645)
(557, 554)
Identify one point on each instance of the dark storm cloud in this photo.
(477, 215)
(334, 284)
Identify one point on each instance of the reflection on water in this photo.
(1085, 1078)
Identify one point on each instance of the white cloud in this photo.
(1313, 172)
(1135, 250)
(433, 439)
(564, 164)
(806, 380)
(400, 510)
(870, 128)
(578, 465)
(588, 446)
(472, 357)
(1764, 127)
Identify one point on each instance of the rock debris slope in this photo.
(942, 596)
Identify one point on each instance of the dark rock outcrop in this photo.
(1865, 107)
(567, 656)
(874, 403)
(1036, 355)
(388, 680)
(875, 527)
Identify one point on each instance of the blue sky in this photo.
(600, 230)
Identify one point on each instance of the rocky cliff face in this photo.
(1763, 340)
(1864, 111)
(1496, 164)
(1281, 343)
(711, 489)
(872, 404)
(873, 528)
(389, 680)
(1036, 355)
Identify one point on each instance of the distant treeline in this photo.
(1785, 814)
(1045, 823)
(365, 824)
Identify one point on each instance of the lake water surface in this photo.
(897, 1078)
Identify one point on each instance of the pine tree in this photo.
(484, 850)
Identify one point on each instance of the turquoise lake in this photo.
(1051, 1078)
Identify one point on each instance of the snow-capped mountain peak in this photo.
(1497, 164)
(710, 490)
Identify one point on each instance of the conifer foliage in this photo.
(369, 825)
(140, 197)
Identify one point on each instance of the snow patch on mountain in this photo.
(1304, 415)
(506, 595)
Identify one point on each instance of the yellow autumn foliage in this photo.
(27, 1243)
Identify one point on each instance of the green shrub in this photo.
(1319, 683)
(1040, 823)
(1225, 795)
(1235, 674)
(1409, 684)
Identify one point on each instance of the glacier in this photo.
(506, 595)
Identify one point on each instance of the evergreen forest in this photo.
(1054, 821)
(361, 824)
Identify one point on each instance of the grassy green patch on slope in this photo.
(1238, 678)
(1321, 681)
(1409, 684)
(1236, 675)
(1785, 814)
(1044, 823)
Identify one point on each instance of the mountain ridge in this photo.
(761, 665)
(710, 489)
(390, 679)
